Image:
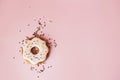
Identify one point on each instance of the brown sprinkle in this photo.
(28, 24)
(13, 57)
(19, 30)
(37, 76)
(50, 21)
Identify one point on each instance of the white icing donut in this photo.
(35, 50)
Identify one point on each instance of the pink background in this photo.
(87, 33)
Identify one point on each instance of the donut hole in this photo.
(34, 50)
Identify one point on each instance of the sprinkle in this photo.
(23, 62)
(19, 50)
(19, 30)
(28, 24)
(32, 68)
(34, 19)
(13, 57)
(49, 66)
(29, 6)
(37, 76)
(50, 21)
(39, 23)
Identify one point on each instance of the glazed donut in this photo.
(35, 50)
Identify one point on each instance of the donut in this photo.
(35, 50)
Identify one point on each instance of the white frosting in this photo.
(40, 56)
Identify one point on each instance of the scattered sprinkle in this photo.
(37, 76)
(19, 30)
(50, 21)
(50, 42)
(28, 24)
(13, 57)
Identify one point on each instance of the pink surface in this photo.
(87, 33)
